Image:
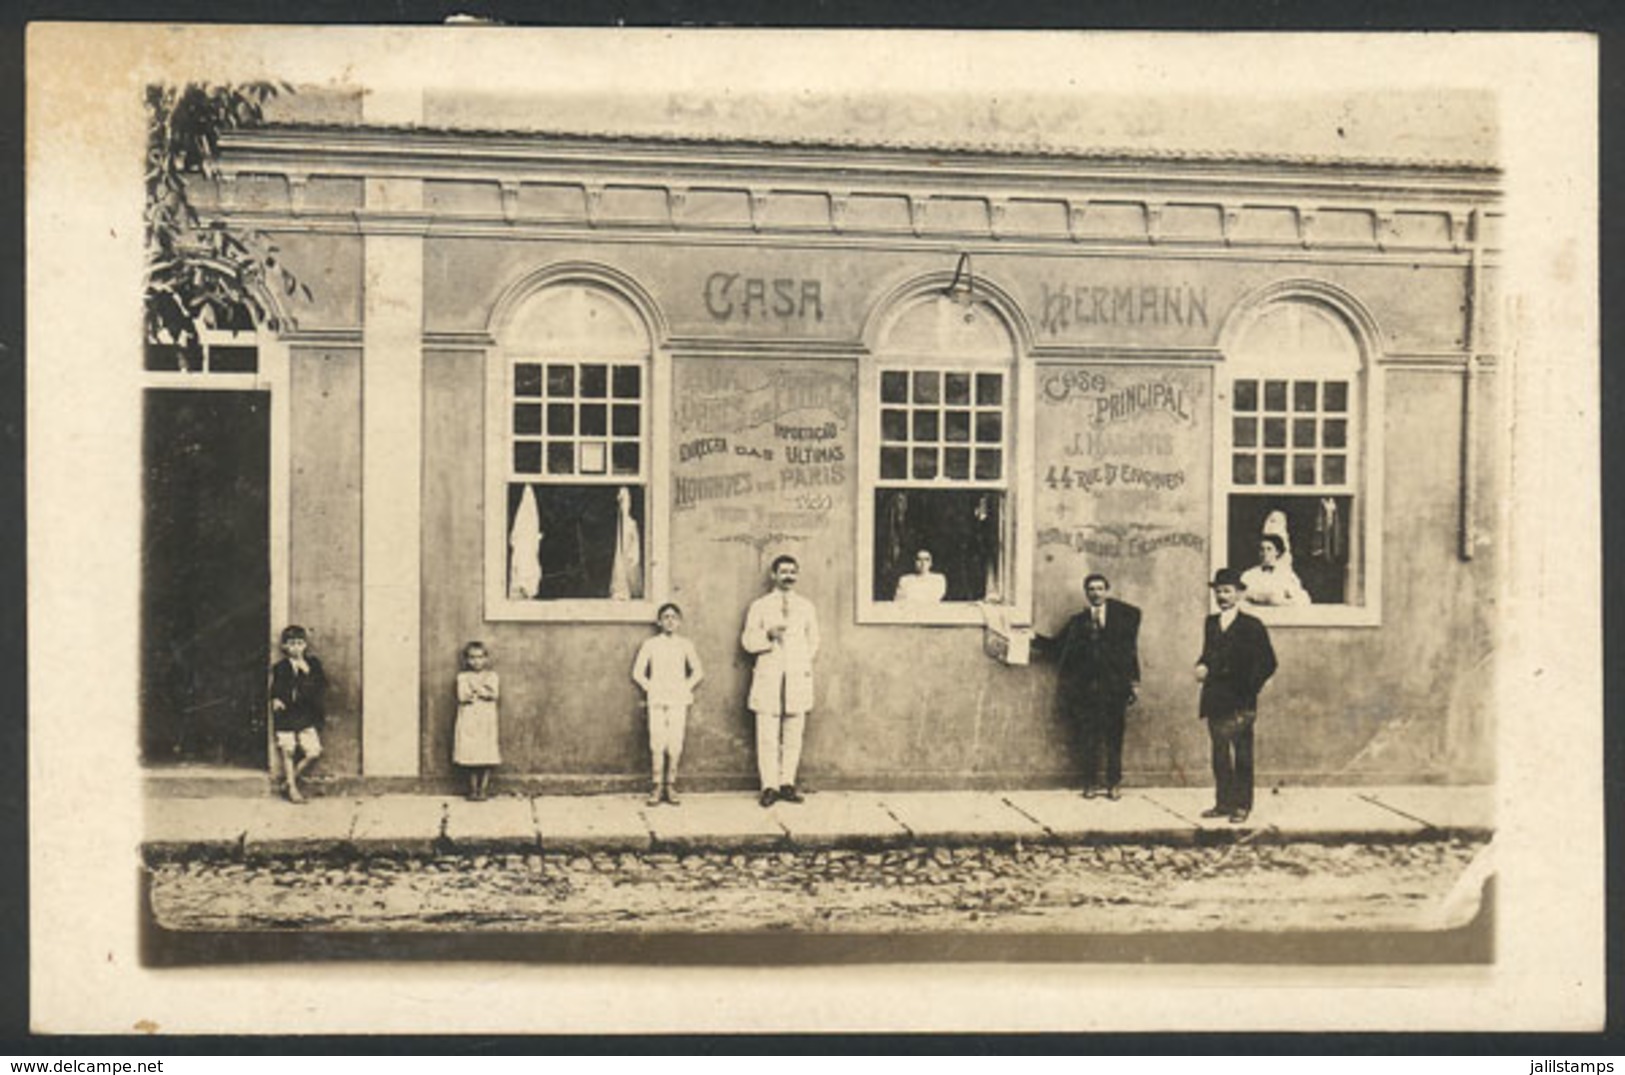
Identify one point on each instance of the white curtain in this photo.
(625, 574)
(524, 545)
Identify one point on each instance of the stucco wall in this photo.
(325, 533)
(1133, 302)
(923, 706)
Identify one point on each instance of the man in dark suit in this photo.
(1099, 658)
(1237, 660)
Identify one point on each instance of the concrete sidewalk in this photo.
(260, 827)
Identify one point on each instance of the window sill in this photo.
(575, 610)
(1316, 615)
(943, 614)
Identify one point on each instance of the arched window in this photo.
(939, 462)
(574, 403)
(1296, 463)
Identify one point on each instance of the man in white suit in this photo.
(781, 629)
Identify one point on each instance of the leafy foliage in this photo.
(204, 273)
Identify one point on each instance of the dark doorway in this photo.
(205, 576)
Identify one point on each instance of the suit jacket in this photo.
(1239, 662)
(303, 695)
(783, 680)
(1100, 666)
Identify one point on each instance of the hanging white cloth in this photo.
(1330, 541)
(524, 548)
(988, 545)
(625, 574)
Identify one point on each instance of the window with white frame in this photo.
(939, 462)
(1294, 464)
(219, 351)
(574, 458)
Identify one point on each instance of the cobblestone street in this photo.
(1066, 889)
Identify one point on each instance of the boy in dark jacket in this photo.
(298, 707)
(1237, 660)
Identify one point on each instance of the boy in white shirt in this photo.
(668, 669)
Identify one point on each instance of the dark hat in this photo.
(1228, 576)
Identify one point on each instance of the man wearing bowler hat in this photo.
(1237, 660)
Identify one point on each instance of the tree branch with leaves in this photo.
(203, 273)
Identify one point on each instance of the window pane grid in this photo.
(942, 426)
(1290, 434)
(577, 421)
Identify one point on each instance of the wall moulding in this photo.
(338, 338)
(1118, 354)
(657, 232)
(766, 347)
(1192, 218)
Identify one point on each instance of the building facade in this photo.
(547, 383)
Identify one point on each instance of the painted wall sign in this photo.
(732, 296)
(763, 449)
(1105, 475)
(1070, 306)
(1115, 542)
(1124, 456)
(1116, 403)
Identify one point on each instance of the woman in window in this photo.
(1272, 582)
(923, 586)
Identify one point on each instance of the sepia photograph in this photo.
(977, 523)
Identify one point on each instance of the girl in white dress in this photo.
(476, 746)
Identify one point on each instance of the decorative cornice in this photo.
(1384, 227)
(1076, 210)
(996, 209)
(838, 201)
(917, 207)
(566, 158)
(646, 232)
(1459, 219)
(931, 149)
(1306, 226)
(298, 184)
(1153, 222)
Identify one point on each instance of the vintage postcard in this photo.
(531, 529)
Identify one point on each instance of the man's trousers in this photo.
(1232, 739)
(778, 748)
(1100, 735)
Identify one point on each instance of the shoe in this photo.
(671, 795)
(654, 796)
(1215, 812)
(1113, 794)
(768, 797)
(1238, 816)
(1090, 791)
(789, 794)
